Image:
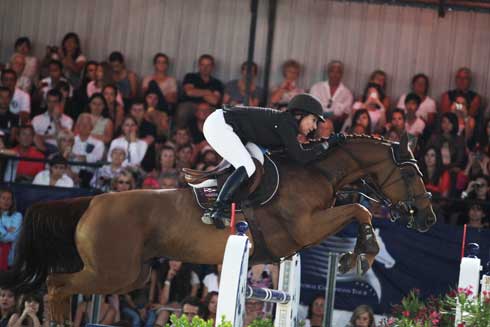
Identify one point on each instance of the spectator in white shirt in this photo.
(55, 175)
(414, 125)
(48, 124)
(18, 64)
(427, 109)
(135, 148)
(55, 71)
(21, 101)
(23, 46)
(334, 96)
(104, 175)
(86, 148)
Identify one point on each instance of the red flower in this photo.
(468, 291)
(406, 314)
(452, 294)
(461, 324)
(434, 315)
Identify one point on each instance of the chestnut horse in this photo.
(102, 245)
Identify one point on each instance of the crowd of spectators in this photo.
(97, 124)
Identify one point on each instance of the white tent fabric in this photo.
(400, 40)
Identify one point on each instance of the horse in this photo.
(103, 244)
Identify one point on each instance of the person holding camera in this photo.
(427, 109)
(477, 189)
(466, 123)
(103, 176)
(55, 76)
(285, 92)
(372, 101)
(463, 83)
(48, 124)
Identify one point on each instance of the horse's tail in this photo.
(46, 244)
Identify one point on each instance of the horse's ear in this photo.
(404, 145)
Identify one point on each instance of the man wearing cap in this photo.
(236, 134)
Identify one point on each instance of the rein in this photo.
(401, 208)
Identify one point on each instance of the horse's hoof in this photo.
(362, 264)
(218, 222)
(345, 261)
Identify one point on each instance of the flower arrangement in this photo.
(198, 322)
(441, 311)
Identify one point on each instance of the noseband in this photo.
(404, 208)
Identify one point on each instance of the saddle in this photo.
(259, 189)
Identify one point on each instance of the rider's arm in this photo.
(288, 134)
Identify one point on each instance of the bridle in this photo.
(408, 170)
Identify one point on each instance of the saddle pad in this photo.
(206, 195)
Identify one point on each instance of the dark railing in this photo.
(10, 159)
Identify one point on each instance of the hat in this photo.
(308, 104)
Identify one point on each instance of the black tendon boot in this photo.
(221, 210)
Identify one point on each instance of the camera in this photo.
(478, 185)
(459, 106)
(373, 95)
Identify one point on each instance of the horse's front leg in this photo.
(330, 221)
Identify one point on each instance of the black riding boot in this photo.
(221, 209)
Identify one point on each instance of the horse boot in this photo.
(221, 211)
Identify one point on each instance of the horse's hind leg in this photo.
(61, 286)
(143, 277)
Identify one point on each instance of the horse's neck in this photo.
(355, 159)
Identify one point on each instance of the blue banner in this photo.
(27, 194)
(408, 259)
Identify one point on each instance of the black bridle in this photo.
(404, 208)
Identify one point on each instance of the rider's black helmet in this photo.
(306, 103)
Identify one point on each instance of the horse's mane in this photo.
(370, 138)
(352, 138)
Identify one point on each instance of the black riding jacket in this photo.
(271, 129)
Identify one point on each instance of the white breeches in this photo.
(228, 145)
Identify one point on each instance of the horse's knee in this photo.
(362, 214)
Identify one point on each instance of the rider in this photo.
(228, 130)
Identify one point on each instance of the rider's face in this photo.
(308, 124)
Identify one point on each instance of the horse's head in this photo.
(405, 189)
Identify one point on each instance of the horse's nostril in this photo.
(432, 220)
